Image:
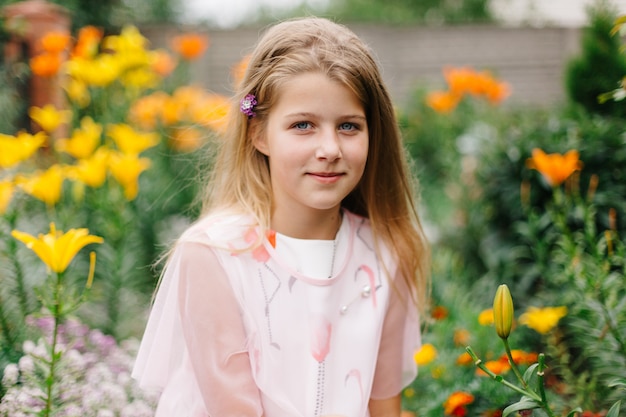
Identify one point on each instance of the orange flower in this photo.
(46, 64)
(461, 337)
(162, 63)
(190, 45)
(442, 101)
(464, 359)
(239, 70)
(186, 139)
(497, 367)
(554, 167)
(89, 38)
(55, 42)
(456, 402)
(439, 313)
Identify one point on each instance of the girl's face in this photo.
(316, 140)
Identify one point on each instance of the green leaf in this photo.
(530, 372)
(614, 410)
(574, 411)
(524, 404)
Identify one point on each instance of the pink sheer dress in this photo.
(288, 329)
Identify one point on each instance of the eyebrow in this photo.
(307, 114)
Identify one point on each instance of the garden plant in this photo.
(528, 201)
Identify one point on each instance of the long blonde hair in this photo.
(240, 178)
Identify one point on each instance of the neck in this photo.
(322, 226)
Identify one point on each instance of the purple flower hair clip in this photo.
(247, 105)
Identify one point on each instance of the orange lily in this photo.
(554, 167)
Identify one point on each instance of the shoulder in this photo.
(219, 229)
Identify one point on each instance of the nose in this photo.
(329, 146)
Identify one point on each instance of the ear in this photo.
(257, 136)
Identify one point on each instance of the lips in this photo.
(326, 177)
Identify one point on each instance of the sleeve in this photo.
(395, 366)
(207, 326)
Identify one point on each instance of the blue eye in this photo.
(347, 126)
(302, 125)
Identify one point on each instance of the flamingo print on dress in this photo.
(321, 331)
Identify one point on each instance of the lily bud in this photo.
(503, 311)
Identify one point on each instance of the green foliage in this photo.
(600, 67)
(411, 11)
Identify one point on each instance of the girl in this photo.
(295, 293)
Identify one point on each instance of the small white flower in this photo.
(28, 346)
(11, 375)
(27, 365)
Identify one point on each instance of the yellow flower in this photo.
(426, 354)
(6, 193)
(45, 186)
(554, 167)
(92, 171)
(140, 78)
(48, 117)
(84, 140)
(57, 249)
(544, 319)
(15, 149)
(130, 141)
(503, 311)
(99, 72)
(485, 318)
(78, 92)
(126, 169)
(130, 40)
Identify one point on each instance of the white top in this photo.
(236, 331)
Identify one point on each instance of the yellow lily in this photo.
(425, 354)
(84, 140)
(45, 186)
(15, 149)
(503, 311)
(48, 117)
(6, 193)
(130, 141)
(77, 92)
(92, 171)
(126, 169)
(542, 320)
(57, 249)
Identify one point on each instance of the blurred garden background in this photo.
(517, 134)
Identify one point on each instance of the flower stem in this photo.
(479, 363)
(540, 384)
(56, 312)
(516, 371)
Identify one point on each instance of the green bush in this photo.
(600, 66)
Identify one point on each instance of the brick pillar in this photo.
(28, 21)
